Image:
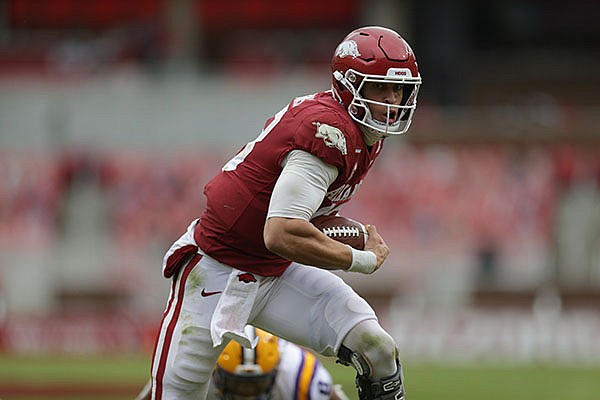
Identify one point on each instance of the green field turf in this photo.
(444, 381)
(120, 378)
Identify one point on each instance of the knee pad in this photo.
(387, 388)
(375, 345)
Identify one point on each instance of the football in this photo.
(342, 229)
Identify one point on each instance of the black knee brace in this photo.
(388, 388)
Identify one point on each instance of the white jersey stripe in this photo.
(167, 328)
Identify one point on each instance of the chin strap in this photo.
(388, 388)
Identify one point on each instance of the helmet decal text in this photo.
(399, 73)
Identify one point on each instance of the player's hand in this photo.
(377, 245)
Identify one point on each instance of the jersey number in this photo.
(241, 156)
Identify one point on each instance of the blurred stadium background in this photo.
(113, 114)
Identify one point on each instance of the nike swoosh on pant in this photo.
(204, 293)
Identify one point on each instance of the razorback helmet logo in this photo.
(347, 48)
(246, 277)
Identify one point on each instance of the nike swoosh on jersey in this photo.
(204, 293)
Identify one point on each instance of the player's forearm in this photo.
(298, 240)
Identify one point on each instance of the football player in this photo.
(273, 370)
(253, 257)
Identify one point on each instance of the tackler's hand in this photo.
(377, 245)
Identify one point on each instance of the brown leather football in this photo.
(342, 229)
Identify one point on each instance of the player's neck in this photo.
(370, 137)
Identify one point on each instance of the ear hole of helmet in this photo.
(352, 77)
(358, 111)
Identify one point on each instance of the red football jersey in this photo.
(231, 227)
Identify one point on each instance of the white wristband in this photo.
(364, 262)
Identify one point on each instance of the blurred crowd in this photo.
(488, 200)
(521, 191)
